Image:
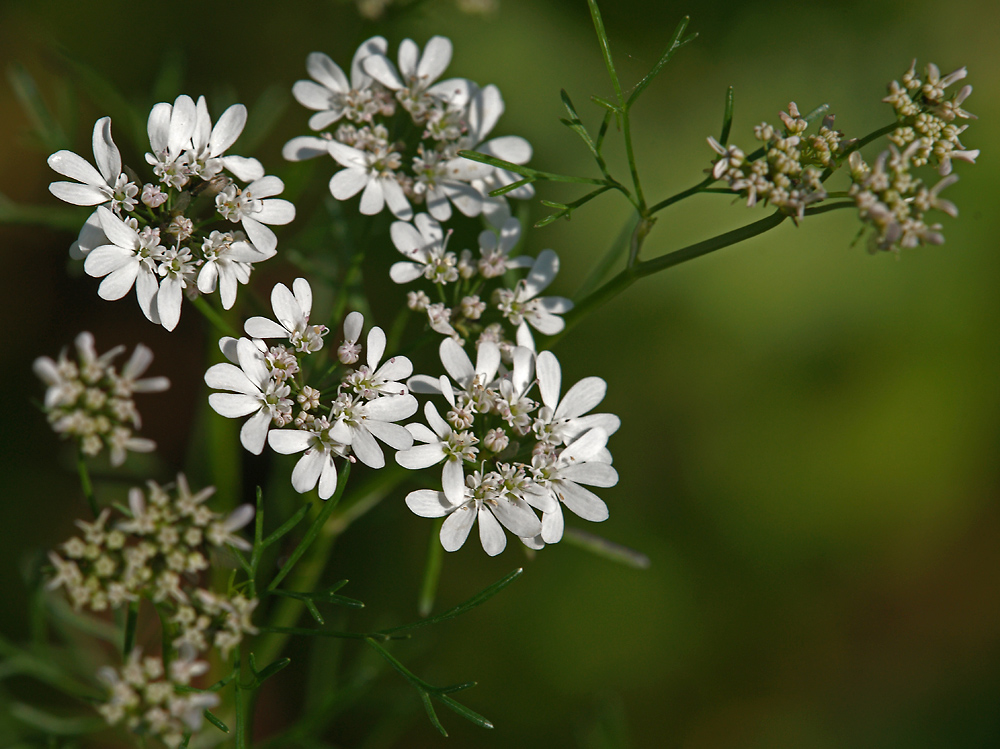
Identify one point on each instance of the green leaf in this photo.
(727, 117)
(314, 529)
(526, 171)
(566, 211)
(43, 122)
(613, 108)
(675, 44)
(575, 124)
(287, 526)
(461, 608)
(602, 38)
(216, 722)
(511, 187)
(271, 670)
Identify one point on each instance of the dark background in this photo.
(808, 453)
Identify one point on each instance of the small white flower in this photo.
(129, 259)
(321, 446)
(170, 127)
(254, 391)
(359, 422)
(106, 184)
(374, 172)
(330, 94)
(522, 306)
(413, 81)
(495, 250)
(292, 308)
(583, 461)
(442, 444)
(425, 246)
(228, 263)
(562, 421)
(205, 158)
(253, 207)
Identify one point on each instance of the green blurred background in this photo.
(809, 440)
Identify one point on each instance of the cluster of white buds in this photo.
(269, 384)
(506, 452)
(158, 552)
(150, 700)
(893, 201)
(789, 173)
(889, 196)
(473, 280)
(91, 401)
(929, 118)
(176, 234)
(381, 100)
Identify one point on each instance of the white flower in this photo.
(205, 157)
(321, 446)
(522, 307)
(441, 444)
(560, 422)
(583, 461)
(254, 206)
(486, 499)
(359, 422)
(330, 94)
(292, 311)
(228, 258)
(129, 259)
(177, 267)
(374, 379)
(484, 109)
(413, 81)
(495, 250)
(170, 128)
(472, 381)
(371, 171)
(106, 184)
(254, 391)
(425, 245)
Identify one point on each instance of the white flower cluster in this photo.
(144, 696)
(375, 9)
(789, 174)
(269, 385)
(91, 401)
(175, 234)
(888, 195)
(506, 452)
(383, 100)
(425, 245)
(928, 119)
(158, 552)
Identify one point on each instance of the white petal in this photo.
(582, 501)
(382, 70)
(453, 480)
(253, 434)
(275, 211)
(233, 405)
(428, 504)
(327, 72)
(436, 58)
(74, 166)
(328, 479)
(582, 397)
(552, 526)
(304, 147)
(393, 435)
(353, 324)
(261, 327)
(289, 441)
(117, 230)
(229, 377)
(168, 302)
(376, 347)
(227, 129)
(396, 199)
(405, 272)
(347, 183)
(456, 362)
(590, 473)
(542, 274)
(550, 378)
(491, 535)
(307, 471)
(391, 408)
(456, 527)
(420, 456)
(118, 283)
(366, 448)
(373, 198)
(517, 517)
(243, 168)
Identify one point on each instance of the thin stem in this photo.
(630, 275)
(85, 482)
(681, 195)
(214, 318)
(432, 571)
(131, 620)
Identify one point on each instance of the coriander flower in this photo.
(523, 307)
(254, 391)
(254, 206)
(583, 461)
(442, 443)
(562, 421)
(321, 444)
(128, 259)
(374, 172)
(331, 95)
(205, 158)
(494, 249)
(170, 128)
(228, 258)
(486, 498)
(106, 184)
(413, 80)
(425, 245)
(292, 308)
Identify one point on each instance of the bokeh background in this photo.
(809, 446)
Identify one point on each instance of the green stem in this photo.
(681, 195)
(85, 482)
(131, 620)
(630, 275)
(214, 318)
(432, 571)
(307, 573)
